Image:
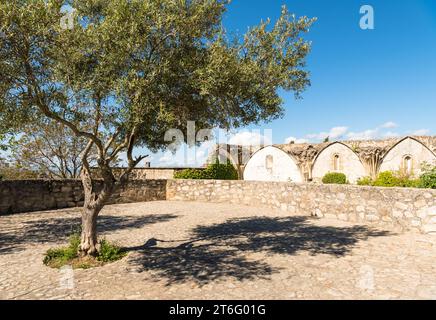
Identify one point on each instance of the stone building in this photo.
(310, 162)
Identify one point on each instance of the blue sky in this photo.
(361, 79)
(365, 83)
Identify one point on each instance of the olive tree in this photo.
(135, 69)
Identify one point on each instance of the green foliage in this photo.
(144, 66)
(16, 172)
(215, 171)
(428, 177)
(386, 179)
(334, 178)
(135, 69)
(61, 256)
(365, 181)
(69, 255)
(391, 179)
(197, 174)
(109, 252)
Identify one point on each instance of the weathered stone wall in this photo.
(403, 209)
(34, 195)
(146, 173)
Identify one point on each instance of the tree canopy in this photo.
(134, 69)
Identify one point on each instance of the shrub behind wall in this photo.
(215, 171)
(392, 179)
(334, 178)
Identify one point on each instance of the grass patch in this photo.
(59, 257)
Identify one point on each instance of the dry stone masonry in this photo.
(36, 195)
(310, 162)
(403, 209)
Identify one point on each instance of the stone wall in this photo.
(146, 173)
(402, 209)
(35, 195)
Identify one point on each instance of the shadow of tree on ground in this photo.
(59, 229)
(219, 251)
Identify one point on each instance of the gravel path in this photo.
(186, 250)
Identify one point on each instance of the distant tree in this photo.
(50, 149)
(10, 171)
(135, 69)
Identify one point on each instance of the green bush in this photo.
(386, 179)
(215, 171)
(391, 179)
(334, 178)
(190, 174)
(59, 257)
(428, 177)
(109, 252)
(365, 181)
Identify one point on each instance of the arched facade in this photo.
(407, 156)
(272, 164)
(338, 157)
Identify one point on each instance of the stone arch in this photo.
(394, 160)
(283, 166)
(338, 157)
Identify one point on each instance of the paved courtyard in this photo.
(187, 250)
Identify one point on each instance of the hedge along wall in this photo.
(36, 195)
(403, 209)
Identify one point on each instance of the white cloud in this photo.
(376, 133)
(334, 133)
(185, 156)
(247, 138)
(389, 125)
(337, 132)
(391, 134)
(364, 135)
(421, 132)
(295, 140)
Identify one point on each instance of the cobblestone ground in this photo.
(217, 251)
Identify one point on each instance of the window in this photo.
(269, 163)
(336, 161)
(407, 164)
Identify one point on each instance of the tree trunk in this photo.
(88, 245)
(94, 203)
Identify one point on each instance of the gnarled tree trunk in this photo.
(94, 202)
(88, 244)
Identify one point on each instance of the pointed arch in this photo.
(283, 166)
(338, 157)
(411, 148)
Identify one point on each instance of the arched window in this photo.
(336, 162)
(407, 164)
(269, 163)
